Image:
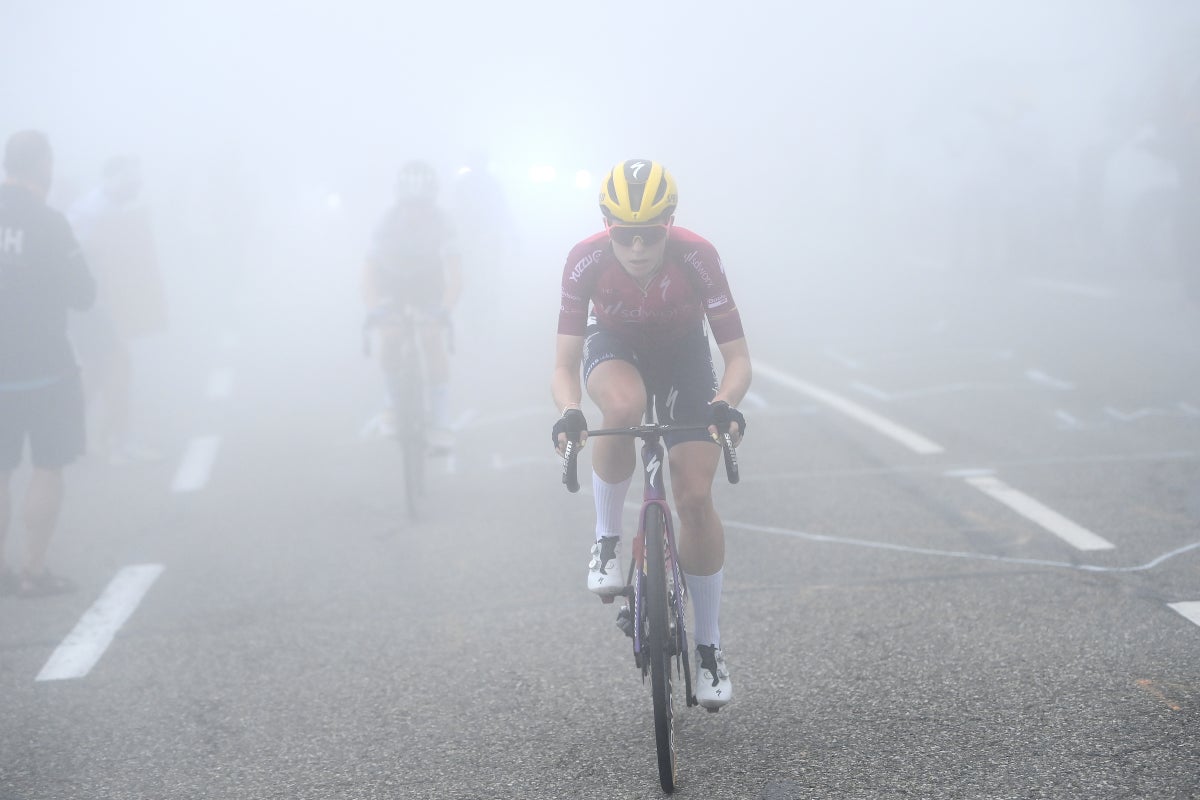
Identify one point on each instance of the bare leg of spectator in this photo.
(43, 500)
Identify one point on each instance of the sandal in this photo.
(43, 585)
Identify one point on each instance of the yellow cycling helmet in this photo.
(638, 191)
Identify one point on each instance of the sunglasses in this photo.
(625, 235)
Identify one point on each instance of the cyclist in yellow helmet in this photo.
(636, 298)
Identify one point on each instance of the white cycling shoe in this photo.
(605, 577)
(714, 690)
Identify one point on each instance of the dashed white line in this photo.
(959, 554)
(910, 394)
(1189, 609)
(196, 465)
(880, 424)
(94, 632)
(1070, 532)
(1068, 419)
(1084, 290)
(1037, 376)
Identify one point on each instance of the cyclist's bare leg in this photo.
(391, 342)
(616, 388)
(701, 535)
(437, 360)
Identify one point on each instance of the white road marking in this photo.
(1084, 290)
(1068, 420)
(197, 463)
(914, 441)
(1037, 376)
(968, 473)
(94, 632)
(845, 361)
(1070, 532)
(1189, 609)
(220, 383)
(753, 400)
(925, 551)
(908, 394)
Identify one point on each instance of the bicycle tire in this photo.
(659, 648)
(410, 394)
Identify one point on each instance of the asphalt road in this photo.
(908, 609)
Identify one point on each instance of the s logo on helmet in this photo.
(634, 168)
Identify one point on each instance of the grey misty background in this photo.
(964, 136)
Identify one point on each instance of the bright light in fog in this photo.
(463, 170)
(583, 179)
(333, 201)
(542, 173)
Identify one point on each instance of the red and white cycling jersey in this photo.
(690, 286)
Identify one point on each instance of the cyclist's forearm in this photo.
(735, 380)
(565, 386)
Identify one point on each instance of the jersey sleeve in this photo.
(578, 279)
(724, 320)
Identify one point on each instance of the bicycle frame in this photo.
(655, 588)
(654, 497)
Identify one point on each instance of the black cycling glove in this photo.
(572, 423)
(721, 414)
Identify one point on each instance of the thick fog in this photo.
(877, 134)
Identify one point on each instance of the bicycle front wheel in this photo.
(658, 647)
(411, 394)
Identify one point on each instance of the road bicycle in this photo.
(655, 593)
(405, 376)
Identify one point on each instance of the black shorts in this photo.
(50, 416)
(680, 377)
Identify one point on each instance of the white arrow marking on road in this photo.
(1070, 532)
(94, 632)
(880, 424)
(1189, 609)
(197, 464)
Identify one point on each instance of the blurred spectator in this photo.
(487, 236)
(115, 232)
(42, 275)
(1179, 143)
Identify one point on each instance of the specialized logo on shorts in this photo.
(672, 396)
(12, 241)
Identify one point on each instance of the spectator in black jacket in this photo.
(42, 275)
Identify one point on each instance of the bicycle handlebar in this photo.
(570, 476)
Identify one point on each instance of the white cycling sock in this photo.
(706, 605)
(610, 505)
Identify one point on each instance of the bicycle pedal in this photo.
(607, 599)
(625, 621)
